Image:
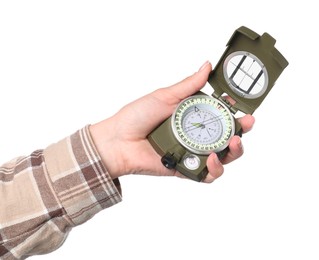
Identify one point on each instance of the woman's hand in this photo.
(122, 139)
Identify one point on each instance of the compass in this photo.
(203, 124)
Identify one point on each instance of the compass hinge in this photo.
(233, 109)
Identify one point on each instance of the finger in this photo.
(191, 84)
(230, 100)
(215, 168)
(247, 123)
(236, 150)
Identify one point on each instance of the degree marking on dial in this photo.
(208, 132)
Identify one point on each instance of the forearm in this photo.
(44, 195)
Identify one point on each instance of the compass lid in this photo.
(248, 69)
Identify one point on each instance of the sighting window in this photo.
(246, 74)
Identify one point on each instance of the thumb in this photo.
(191, 84)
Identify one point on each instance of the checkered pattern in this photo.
(44, 195)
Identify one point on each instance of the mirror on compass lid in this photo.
(245, 74)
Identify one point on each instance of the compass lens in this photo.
(246, 74)
(192, 162)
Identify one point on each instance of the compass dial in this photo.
(203, 124)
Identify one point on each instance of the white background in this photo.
(64, 64)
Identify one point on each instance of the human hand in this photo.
(121, 140)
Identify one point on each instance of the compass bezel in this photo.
(191, 145)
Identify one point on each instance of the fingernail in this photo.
(240, 145)
(216, 159)
(209, 178)
(204, 66)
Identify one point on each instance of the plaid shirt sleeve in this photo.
(44, 195)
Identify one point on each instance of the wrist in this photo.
(104, 137)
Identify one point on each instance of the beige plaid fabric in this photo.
(44, 195)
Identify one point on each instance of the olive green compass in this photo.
(203, 124)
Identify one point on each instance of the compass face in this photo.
(203, 124)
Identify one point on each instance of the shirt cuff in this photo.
(79, 178)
